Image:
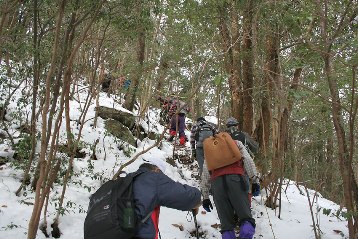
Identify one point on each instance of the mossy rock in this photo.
(125, 118)
(120, 131)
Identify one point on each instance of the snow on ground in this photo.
(295, 220)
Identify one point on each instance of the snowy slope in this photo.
(295, 221)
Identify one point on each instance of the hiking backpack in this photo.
(111, 211)
(250, 144)
(203, 131)
(220, 150)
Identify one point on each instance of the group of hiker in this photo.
(229, 185)
(174, 112)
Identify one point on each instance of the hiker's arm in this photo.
(249, 164)
(176, 195)
(205, 181)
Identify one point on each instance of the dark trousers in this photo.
(181, 124)
(230, 193)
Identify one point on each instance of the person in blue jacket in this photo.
(153, 189)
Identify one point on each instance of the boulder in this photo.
(120, 131)
(124, 118)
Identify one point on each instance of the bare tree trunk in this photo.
(218, 95)
(36, 76)
(35, 217)
(271, 71)
(67, 83)
(230, 58)
(352, 120)
(247, 69)
(345, 163)
(344, 155)
(131, 95)
(47, 173)
(329, 159)
(56, 89)
(95, 83)
(100, 79)
(70, 164)
(163, 69)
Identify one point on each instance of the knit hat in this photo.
(201, 118)
(157, 162)
(232, 122)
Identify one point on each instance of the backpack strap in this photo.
(248, 143)
(145, 218)
(200, 127)
(150, 213)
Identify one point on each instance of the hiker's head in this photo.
(160, 98)
(200, 119)
(153, 164)
(232, 122)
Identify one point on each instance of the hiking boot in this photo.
(228, 235)
(182, 140)
(247, 230)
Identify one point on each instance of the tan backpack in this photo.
(220, 150)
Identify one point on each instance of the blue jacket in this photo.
(153, 189)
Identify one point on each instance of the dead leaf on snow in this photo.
(181, 228)
(216, 226)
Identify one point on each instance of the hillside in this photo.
(295, 220)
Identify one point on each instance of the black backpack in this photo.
(203, 131)
(251, 145)
(111, 211)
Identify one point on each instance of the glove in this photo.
(255, 188)
(193, 153)
(207, 205)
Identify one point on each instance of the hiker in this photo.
(199, 132)
(174, 111)
(178, 111)
(153, 189)
(230, 187)
(107, 82)
(250, 145)
(233, 129)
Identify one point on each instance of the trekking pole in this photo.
(196, 224)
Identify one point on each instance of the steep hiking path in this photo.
(180, 157)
